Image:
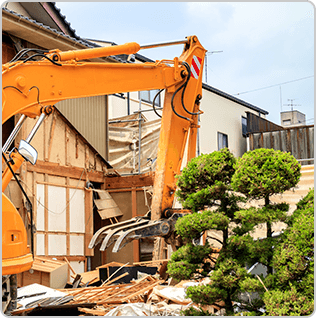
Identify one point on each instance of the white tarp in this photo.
(123, 144)
(142, 309)
(34, 289)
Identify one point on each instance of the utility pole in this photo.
(212, 52)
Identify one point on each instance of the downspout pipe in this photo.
(128, 104)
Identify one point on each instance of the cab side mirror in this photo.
(27, 152)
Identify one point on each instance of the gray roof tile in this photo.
(75, 39)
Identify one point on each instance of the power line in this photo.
(305, 122)
(258, 89)
(309, 120)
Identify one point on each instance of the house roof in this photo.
(47, 27)
(59, 30)
(234, 99)
(50, 15)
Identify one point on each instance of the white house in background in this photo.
(224, 122)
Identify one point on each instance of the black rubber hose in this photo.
(154, 106)
(172, 106)
(20, 54)
(185, 86)
(44, 56)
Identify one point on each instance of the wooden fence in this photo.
(299, 141)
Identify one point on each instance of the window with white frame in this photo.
(222, 140)
(148, 96)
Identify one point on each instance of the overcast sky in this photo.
(268, 47)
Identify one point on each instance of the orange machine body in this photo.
(16, 256)
(28, 87)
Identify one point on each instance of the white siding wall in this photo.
(222, 115)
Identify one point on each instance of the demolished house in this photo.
(70, 169)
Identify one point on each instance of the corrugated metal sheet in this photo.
(89, 116)
(299, 141)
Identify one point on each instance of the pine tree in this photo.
(259, 174)
(206, 186)
(291, 289)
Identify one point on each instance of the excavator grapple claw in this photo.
(124, 232)
(104, 231)
(154, 228)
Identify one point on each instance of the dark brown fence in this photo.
(258, 124)
(299, 141)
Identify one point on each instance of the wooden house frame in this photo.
(65, 215)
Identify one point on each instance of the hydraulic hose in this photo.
(184, 88)
(154, 107)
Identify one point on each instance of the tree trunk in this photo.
(225, 238)
(229, 305)
(269, 234)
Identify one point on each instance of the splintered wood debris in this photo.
(147, 295)
(108, 297)
(115, 294)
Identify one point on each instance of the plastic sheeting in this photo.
(24, 293)
(174, 294)
(124, 141)
(142, 309)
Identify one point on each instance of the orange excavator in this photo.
(32, 84)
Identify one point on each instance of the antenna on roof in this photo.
(291, 104)
(206, 62)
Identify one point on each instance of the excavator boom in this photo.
(31, 88)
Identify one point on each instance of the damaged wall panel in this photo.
(56, 184)
(106, 206)
(57, 203)
(76, 211)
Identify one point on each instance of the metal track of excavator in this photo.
(136, 228)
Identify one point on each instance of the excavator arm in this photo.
(31, 88)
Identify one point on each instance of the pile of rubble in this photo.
(119, 294)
